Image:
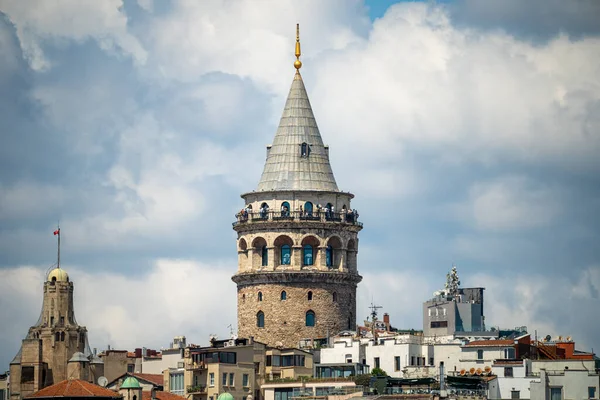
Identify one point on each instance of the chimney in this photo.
(251, 340)
(386, 319)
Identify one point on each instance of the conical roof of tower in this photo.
(289, 166)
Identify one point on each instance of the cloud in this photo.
(510, 203)
(42, 21)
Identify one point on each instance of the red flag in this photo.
(57, 232)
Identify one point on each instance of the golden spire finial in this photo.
(298, 63)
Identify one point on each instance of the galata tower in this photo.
(297, 238)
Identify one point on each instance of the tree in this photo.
(378, 372)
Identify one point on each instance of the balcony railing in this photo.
(196, 389)
(195, 366)
(301, 216)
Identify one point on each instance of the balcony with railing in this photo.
(323, 216)
(196, 389)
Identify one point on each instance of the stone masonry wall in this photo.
(285, 319)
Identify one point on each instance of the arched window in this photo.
(285, 209)
(260, 319)
(329, 256)
(264, 255)
(308, 254)
(57, 337)
(286, 254)
(259, 296)
(62, 336)
(308, 208)
(310, 318)
(309, 296)
(283, 295)
(334, 297)
(350, 322)
(244, 298)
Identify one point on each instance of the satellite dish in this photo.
(102, 381)
(548, 337)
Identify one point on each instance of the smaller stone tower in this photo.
(56, 347)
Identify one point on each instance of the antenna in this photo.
(57, 233)
(374, 308)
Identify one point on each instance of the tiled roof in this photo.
(490, 343)
(286, 168)
(74, 388)
(156, 379)
(130, 354)
(161, 396)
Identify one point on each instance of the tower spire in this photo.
(57, 233)
(298, 63)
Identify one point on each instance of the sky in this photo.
(468, 130)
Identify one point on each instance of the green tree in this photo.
(378, 372)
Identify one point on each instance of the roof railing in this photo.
(344, 217)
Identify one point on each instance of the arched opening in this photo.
(62, 336)
(310, 318)
(259, 296)
(351, 255)
(57, 337)
(308, 209)
(264, 256)
(244, 298)
(283, 250)
(310, 244)
(259, 254)
(285, 209)
(329, 212)
(307, 255)
(309, 296)
(260, 319)
(350, 324)
(334, 297)
(53, 280)
(283, 295)
(243, 245)
(243, 253)
(134, 397)
(334, 248)
(264, 210)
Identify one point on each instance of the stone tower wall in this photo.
(285, 322)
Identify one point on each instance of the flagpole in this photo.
(58, 264)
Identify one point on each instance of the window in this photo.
(508, 372)
(480, 354)
(62, 336)
(309, 296)
(62, 320)
(130, 368)
(397, 363)
(329, 256)
(264, 255)
(286, 254)
(509, 353)
(334, 297)
(285, 209)
(439, 324)
(515, 394)
(51, 321)
(224, 379)
(308, 254)
(412, 360)
(176, 383)
(283, 295)
(27, 374)
(429, 312)
(231, 379)
(556, 393)
(2, 395)
(260, 319)
(57, 337)
(377, 363)
(304, 150)
(310, 318)
(245, 380)
(211, 379)
(591, 392)
(259, 296)
(418, 360)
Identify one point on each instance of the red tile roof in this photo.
(156, 379)
(74, 388)
(490, 343)
(161, 396)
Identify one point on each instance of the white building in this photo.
(514, 378)
(566, 384)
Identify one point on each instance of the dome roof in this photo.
(96, 360)
(131, 383)
(58, 274)
(79, 357)
(225, 396)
